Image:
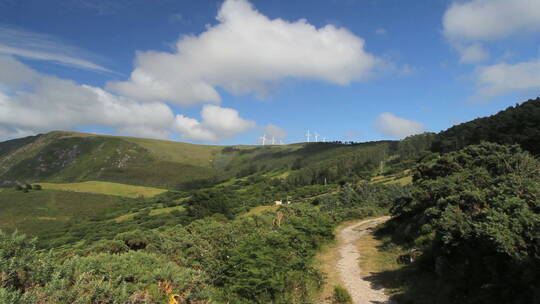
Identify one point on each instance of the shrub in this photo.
(37, 187)
(109, 246)
(341, 295)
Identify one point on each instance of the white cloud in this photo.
(275, 133)
(470, 25)
(18, 42)
(392, 126)
(36, 102)
(246, 52)
(472, 53)
(484, 20)
(503, 78)
(32, 102)
(217, 124)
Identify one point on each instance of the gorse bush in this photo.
(476, 215)
(341, 295)
(251, 259)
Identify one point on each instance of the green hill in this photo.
(131, 220)
(519, 124)
(67, 157)
(75, 157)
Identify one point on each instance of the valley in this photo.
(133, 220)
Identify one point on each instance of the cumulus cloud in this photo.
(472, 24)
(33, 102)
(275, 133)
(217, 124)
(502, 78)
(472, 53)
(245, 53)
(469, 23)
(37, 102)
(392, 126)
(22, 43)
(484, 20)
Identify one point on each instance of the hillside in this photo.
(73, 157)
(130, 218)
(62, 157)
(519, 124)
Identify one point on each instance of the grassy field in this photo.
(393, 179)
(106, 188)
(38, 211)
(197, 155)
(260, 210)
(166, 210)
(158, 211)
(406, 180)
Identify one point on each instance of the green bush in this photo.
(341, 295)
(476, 215)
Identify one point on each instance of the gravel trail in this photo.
(362, 291)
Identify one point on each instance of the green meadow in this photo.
(47, 209)
(107, 188)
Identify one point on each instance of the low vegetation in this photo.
(465, 226)
(341, 295)
(474, 219)
(106, 188)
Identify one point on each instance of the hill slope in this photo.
(73, 157)
(515, 125)
(76, 157)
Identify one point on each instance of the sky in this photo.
(231, 71)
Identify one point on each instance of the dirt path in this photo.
(362, 291)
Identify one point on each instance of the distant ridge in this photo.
(519, 124)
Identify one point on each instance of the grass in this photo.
(404, 283)
(158, 211)
(374, 259)
(260, 210)
(325, 261)
(36, 212)
(406, 180)
(107, 188)
(124, 217)
(197, 155)
(166, 210)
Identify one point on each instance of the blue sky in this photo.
(347, 69)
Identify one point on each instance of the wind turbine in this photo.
(281, 142)
(273, 140)
(263, 139)
(316, 137)
(324, 139)
(308, 135)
